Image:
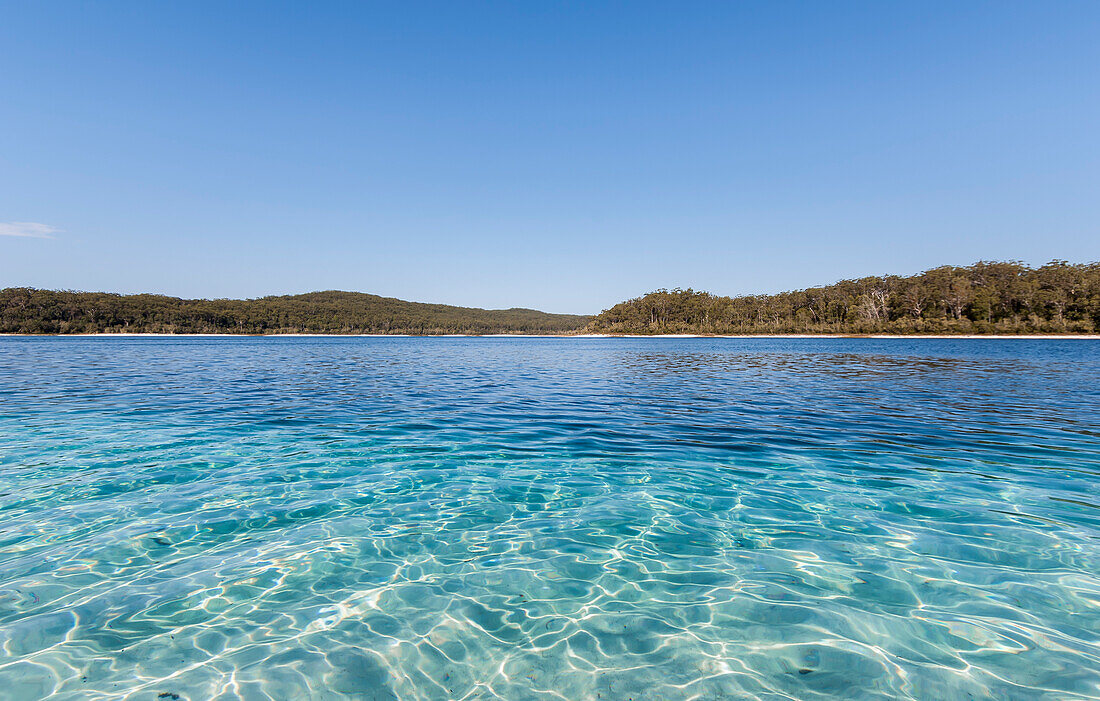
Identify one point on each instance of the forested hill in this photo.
(986, 297)
(25, 310)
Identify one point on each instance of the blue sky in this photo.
(562, 156)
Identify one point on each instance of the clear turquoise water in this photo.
(448, 518)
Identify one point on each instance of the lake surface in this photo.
(450, 518)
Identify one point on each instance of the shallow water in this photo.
(446, 518)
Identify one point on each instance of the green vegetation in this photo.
(25, 310)
(986, 297)
(983, 298)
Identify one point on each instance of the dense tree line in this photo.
(26, 310)
(987, 297)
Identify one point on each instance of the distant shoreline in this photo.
(985, 300)
(1036, 337)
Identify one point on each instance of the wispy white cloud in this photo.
(27, 229)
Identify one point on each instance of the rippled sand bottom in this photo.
(544, 544)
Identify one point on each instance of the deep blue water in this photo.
(448, 518)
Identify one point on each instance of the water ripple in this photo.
(549, 519)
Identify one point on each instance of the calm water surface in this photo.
(400, 518)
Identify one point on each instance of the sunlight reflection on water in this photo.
(445, 518)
